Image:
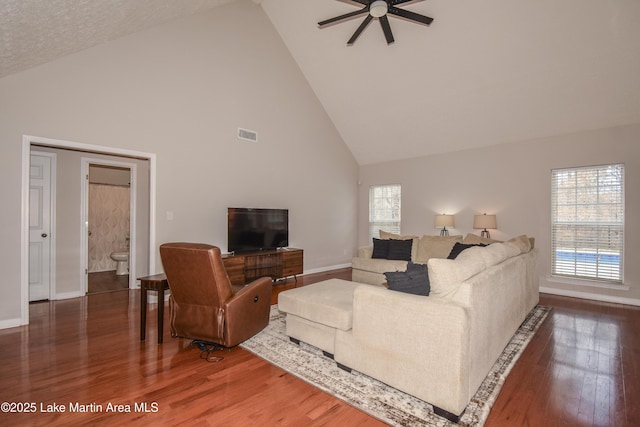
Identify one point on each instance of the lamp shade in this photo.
(444, 221)
(485, 221)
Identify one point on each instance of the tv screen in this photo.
(251, 229)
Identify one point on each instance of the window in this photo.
(587, 222)
(384, 209)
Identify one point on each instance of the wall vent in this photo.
(247, 135)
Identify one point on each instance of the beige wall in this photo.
(513, 181)
(180, 91)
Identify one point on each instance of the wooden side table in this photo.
(157, 282)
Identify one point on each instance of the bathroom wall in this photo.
(109, 215)
(108, 224)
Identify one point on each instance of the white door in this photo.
(40, 227)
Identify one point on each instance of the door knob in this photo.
(44, 234)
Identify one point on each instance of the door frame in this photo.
(27, 142)
(52, 217)
(84, 219)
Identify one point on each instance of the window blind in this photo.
(384, 209)
(587, 222)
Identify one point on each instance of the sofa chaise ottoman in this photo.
(316, 311)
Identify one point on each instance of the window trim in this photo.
(598, 271)
(373, 228)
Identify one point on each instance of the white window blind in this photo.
(587, 222)
(384, 209)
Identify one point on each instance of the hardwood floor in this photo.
(581, 369)
(106, 281)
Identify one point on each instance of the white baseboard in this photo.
(10, 323)
(328, 268)
(590, 296)
(67, 295)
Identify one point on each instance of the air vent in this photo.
(247, 135)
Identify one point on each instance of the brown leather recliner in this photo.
(203, 305)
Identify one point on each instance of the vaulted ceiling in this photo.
(483, 73)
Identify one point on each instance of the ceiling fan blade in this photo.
(412, 16)
(344, 17)
(396, 2)
(360, 29)
(386, 28)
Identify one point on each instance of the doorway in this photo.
(117, 173)
(110, 198)
(70, 266)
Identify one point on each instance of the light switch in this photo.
(169, 215)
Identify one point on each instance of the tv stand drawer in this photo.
(242, 268)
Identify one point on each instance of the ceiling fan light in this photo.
(378, 8)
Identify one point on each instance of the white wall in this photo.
(180, 91)
(513, 181)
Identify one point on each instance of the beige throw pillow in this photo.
(498, 252)
(474, 239)
(392, 236)
(523, 243)
(435, 247)
(446, 275)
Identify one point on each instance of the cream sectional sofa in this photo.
(438, 348)
(371, 270)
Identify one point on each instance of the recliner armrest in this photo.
(258, 287)
(245, 311)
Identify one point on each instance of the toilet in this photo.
(122, 258)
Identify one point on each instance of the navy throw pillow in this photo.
(380, 249)
(459, 247)
(413, 281)
(400, 249)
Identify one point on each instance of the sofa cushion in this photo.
(446, 275)
(329, 303)
(474, 239)
(378, 265)
(365, 251)
(523, 243)
(459, 247)
(413, 281)
(380, 249)
(435, 247)
(498, 252)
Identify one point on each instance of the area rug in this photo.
(373, 397)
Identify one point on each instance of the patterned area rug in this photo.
(373, 397)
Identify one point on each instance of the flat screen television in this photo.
(253, 229)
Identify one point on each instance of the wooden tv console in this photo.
(244, 267)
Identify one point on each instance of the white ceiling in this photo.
(485, 72)
(33, 32)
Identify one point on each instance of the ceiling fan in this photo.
(378, 9)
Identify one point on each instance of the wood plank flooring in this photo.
(106, 281)
(581, 369)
